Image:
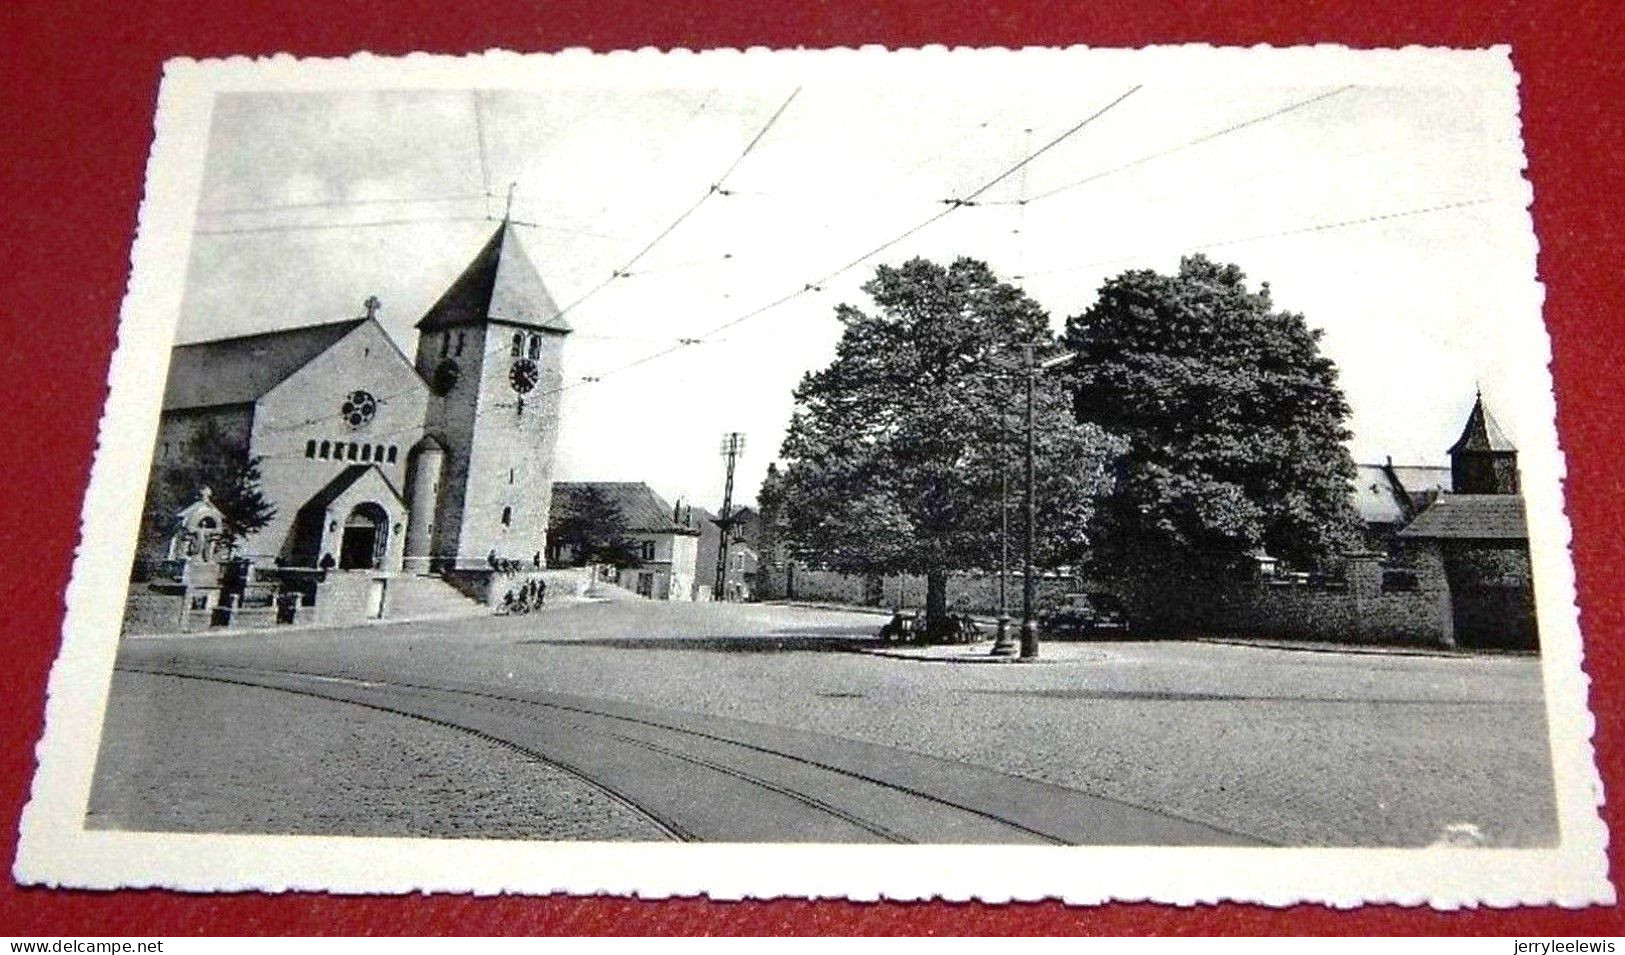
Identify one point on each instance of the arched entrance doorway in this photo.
(366, 536)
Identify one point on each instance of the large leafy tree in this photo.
(211, 458)
(770, 545)
(1234, 422)
(895, 451)
(594, 527)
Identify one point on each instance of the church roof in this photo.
(241, 370)
(1481, 432)
(1470, 517)
(345, 480)
(643, 509)
(501, 284)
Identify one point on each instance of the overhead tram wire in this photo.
(716, 188)
(479, 136)
(338, 204)
(952, 205)
(1204, 138)
(308, 227)
(1284, 233)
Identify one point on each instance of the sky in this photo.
(1391, 216)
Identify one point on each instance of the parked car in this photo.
(1087, 614)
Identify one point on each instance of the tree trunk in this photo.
(936, 597)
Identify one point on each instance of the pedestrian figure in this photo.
(541, 592)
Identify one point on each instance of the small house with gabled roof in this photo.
(665, 536)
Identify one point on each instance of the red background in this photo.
(77, 90)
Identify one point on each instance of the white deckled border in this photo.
(55, 849)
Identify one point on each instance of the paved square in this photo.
(1173, 741)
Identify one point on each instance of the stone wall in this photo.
(967, 592)
(488, 587)
(1356, 607)
(1413, 608)
(344, 598)
(1359, 612)
(151, 610)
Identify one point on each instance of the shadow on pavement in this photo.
(1184, 696)
(800, 640)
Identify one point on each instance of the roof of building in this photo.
(1470, 517)
(1391, 493)
(1419, 479)
(345, 480)
(1481, 432)
(241, 370)
(643, 509)
(1375, 496)
(501, 284)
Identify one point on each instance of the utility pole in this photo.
(733, 445)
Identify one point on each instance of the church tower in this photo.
(1483, 461)
(490, 349)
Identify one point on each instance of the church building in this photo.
(1478, 533)
(438, 462)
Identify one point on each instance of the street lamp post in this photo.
(1029, 627)
(1003, 645)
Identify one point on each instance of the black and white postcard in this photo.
(996, 474)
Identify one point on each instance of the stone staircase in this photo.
(603, 590)
(418, 596)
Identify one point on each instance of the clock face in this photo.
(358, 408)
(523, 375)
(446, 376)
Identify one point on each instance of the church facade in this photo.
(374, 460)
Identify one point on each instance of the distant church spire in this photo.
(1483, 460)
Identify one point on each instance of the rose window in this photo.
(358, 408)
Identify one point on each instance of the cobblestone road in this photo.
(1293, 748)
(237, 759)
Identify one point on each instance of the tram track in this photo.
(701, 778)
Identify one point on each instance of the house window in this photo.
(518, 345)
(354, 451)
(392, 454)
(507, 516)
(445, 343)
(366, 452)
(459, 344)
(378, 453)
(510, 475)
(166, 450)
(535, 350)
(325, 451)
(646, 550)
(310, 448)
